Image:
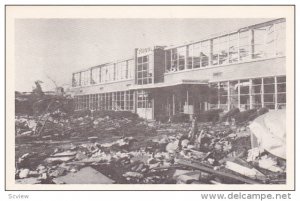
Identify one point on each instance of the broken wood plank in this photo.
(217, 173)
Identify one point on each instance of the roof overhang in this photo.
(162, 85)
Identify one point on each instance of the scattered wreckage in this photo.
(114, 148)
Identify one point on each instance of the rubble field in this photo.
(120, 148)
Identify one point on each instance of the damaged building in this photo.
(244, 69)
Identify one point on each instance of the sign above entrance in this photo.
(144, 51)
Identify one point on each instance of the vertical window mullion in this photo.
(262, 93)
(239, 94)
(228, 95)
(276, 93)
(219, 96)
(238, 48)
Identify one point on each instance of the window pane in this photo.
(270, 88)
(256, 81)
(140, 59)
(269, 80)
(256, 89)
(145, 59)
(281, 98)
(281, 79)
(269, 98)
(281, 87)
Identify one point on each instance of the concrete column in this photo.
(153, 107)
(250, 95)
(173, 103)
(125, 100)
(135, 101)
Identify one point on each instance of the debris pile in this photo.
(127, 150)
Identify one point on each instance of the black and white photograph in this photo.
(160, 96)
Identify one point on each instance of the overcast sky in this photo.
(57, 47)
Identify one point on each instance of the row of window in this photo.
(246, 94)
(260, 42)
(145, 70)
(106, 73)
(121, 100)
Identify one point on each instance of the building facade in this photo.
(242, 69)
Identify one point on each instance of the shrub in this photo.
(180, 118)
(162, 118)
(231, 113)
(81, 113)
(115, 114)
(246, 115)
(209, 115)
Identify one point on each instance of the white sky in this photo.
(58, 47)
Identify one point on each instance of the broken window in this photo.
(244, 45)
(168, 59)
(85, 78)
(95, 75)
(270, 41)
(123, 70)
(130, 68)
(280, 39)
(189, 58)
(76, 80)
(110, 73)
(104, 73)
(233, 48)
(196, 55)
(174, 62)
(223, 50)
(205, 53)
(258, 43)
(181, 57)
(215, 56)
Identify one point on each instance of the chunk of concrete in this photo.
(87, 175)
